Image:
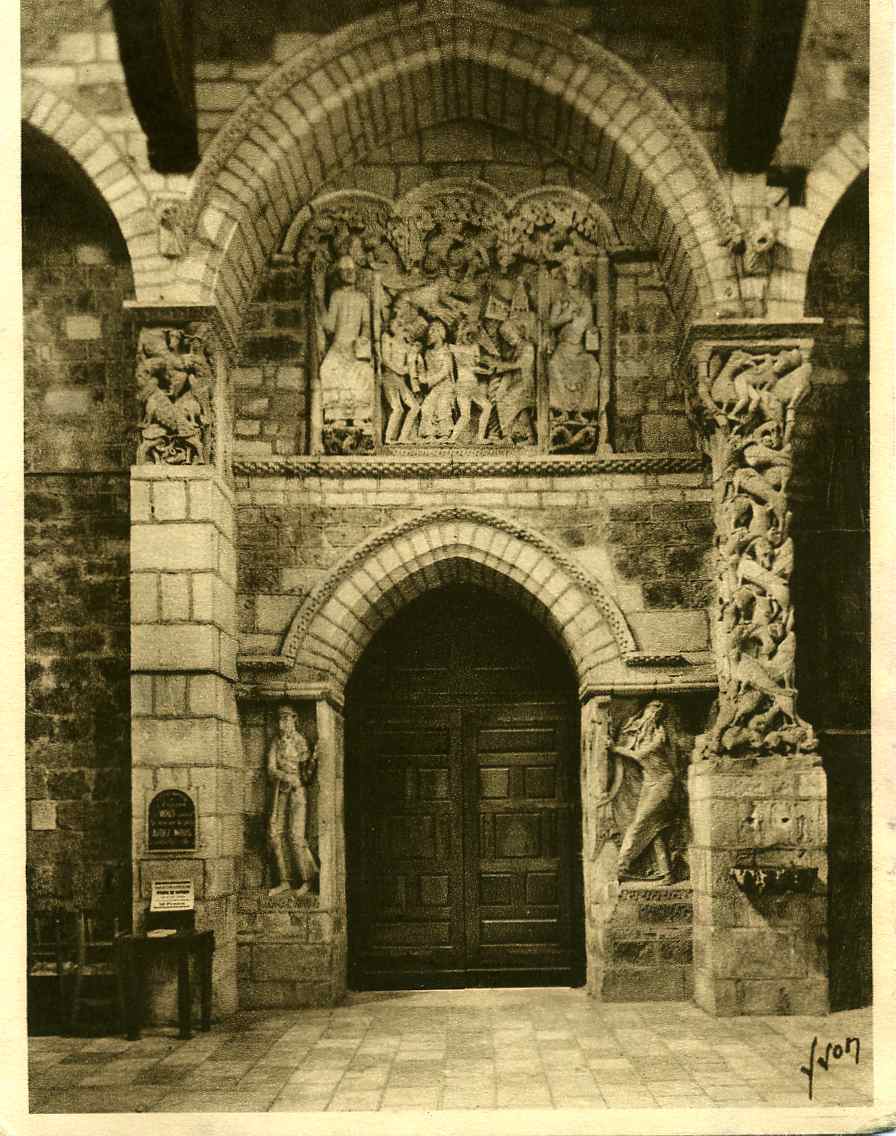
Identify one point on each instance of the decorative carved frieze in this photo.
(455, 318)
(454, 464)
(745, 400)
(175, 381)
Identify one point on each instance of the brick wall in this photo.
(78, 749)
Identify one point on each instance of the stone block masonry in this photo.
(763, 954)
(185, 731)
(77, 732)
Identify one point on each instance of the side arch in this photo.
(826, 183)
(108, 169)
(418, 65)
(341, 615)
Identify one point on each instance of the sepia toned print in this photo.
(447, 556)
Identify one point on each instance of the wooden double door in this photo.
(463, 814)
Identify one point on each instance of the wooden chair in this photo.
(98, 983)
(52, 963)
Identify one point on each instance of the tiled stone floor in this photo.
(464, 1049)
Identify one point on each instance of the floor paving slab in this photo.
(447, 1050)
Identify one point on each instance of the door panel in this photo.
(520, 855)
(462, 801)
(408, 893)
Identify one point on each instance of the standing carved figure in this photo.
(400, 386)
(346, 373)
(645, 804)
(513, 392)
(291, 769)
(437, 375)
(576, 385)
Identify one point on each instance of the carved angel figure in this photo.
(291, 768)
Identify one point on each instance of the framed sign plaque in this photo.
(171, 822)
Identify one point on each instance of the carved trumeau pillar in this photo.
(756, 787)
(744, 396)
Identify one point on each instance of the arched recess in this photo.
(108, 169)
(827, 182)
(341, 615)
(418, 65)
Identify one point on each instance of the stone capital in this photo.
(176, 376)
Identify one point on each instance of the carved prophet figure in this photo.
(291, 769)
(641, 801)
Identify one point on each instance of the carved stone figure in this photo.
(346, 372)
(437, 375)
(174, 383)
(643, 797)
(746, 405)
(291, 768)
(469, 388)
(513, 389)
(401, 387)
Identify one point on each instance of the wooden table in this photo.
(133, 951)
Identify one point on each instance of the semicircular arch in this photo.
(411, 67)
(103, 164)
(827, 182)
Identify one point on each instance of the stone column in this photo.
(757, 788)
(185, 732)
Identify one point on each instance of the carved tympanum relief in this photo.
(638, 796)
(455, 318)
(175, 384)
(292, 766)
(745, 402)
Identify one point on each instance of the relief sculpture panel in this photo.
(175, 385)
(456, 318)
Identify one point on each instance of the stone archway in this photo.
(327, 638)
(108, 168)
(338, 619)
(408, 68)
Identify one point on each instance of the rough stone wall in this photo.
(76, 363)
(647, 403)
(78, 359)
(645, 537)
(831, 580)
(78, 749)
(237, 48)
(831, 86)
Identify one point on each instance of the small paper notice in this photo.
(172, 895)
